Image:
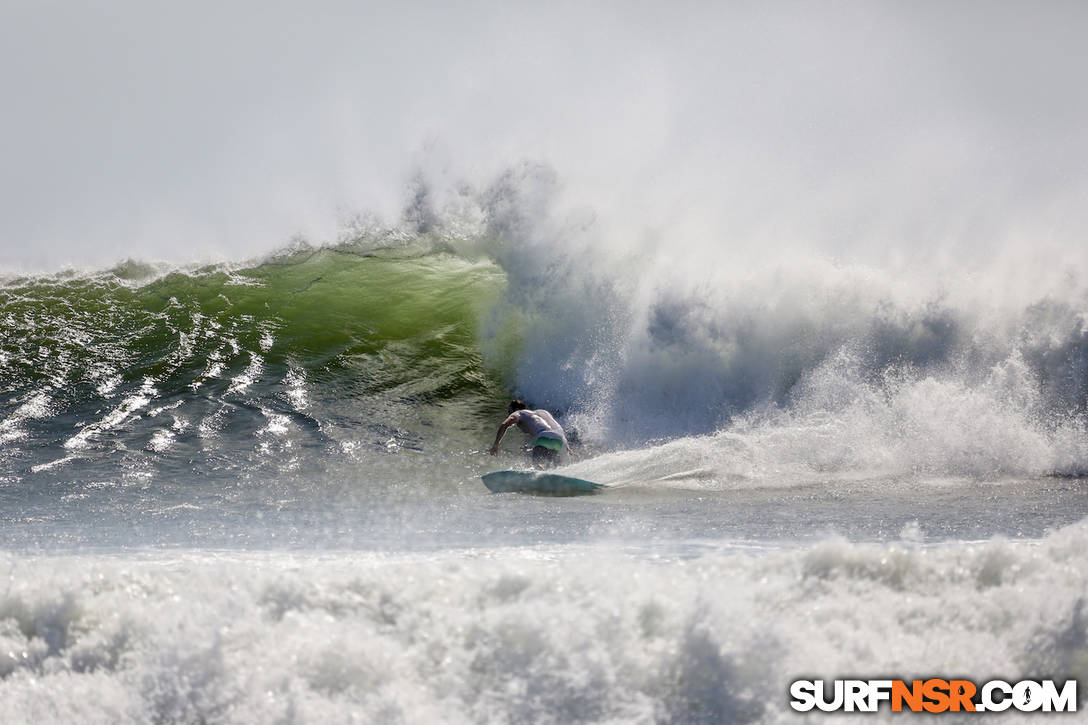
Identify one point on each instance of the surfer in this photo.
(547, 435)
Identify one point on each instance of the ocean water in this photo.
(248, 492)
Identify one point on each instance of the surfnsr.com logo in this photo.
(934, 695)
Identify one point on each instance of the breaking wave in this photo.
(407, 337)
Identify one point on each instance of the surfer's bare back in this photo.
(549, 441)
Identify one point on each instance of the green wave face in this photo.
(220, 371)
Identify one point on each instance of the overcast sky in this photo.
(188, 130)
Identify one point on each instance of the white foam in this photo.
(828, 366)
(36, 406)
(161, 441)
(241, 382)
(115, 418)
(523, 634)
(295, 383)
(840, 425)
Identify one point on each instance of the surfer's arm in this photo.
(502, 431)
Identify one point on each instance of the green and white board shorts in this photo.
(546, 441)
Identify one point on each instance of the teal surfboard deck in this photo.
(548, 484)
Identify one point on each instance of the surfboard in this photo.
(548, 484)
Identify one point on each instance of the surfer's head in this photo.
(516, 404)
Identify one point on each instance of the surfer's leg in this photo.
(545, 457)
(546, 450)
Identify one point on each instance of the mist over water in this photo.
(887, 132)
(804, 284)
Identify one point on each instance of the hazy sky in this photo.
(186, 130)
